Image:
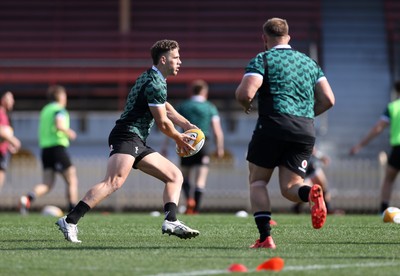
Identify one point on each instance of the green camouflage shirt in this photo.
(150, 89)
(198, 112)
(289, 81)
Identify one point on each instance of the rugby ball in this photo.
(391, 214)
(53, 211)
(197, 144)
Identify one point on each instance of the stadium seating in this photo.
(79, 42)
(392, 15)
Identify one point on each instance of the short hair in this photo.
(197, 86)
(161, 47)
(54, 92)
(4, 92)
(276, 27)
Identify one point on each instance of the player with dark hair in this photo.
(146, 104)
(291, 90)
(8, 142)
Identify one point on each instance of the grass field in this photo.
(132, 244)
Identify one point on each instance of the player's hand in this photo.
(183, 143)
(71, 134)
(14, 145)
(190, 126)
(248, 107)
(354, 150)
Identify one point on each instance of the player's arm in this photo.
(247, 89)
(6, 133)
(324, 97)
(177, 118)
(218, 135)
(61, 126)
(377, 129)
(166, 126)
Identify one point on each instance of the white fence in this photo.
(354, 185)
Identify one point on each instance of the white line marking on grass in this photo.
(286, 268)
(194, 273)
(338, 266)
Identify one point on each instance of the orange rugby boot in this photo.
(268, 243)
(317, 206)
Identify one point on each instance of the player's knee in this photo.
(178, 177)
(115, 183)
(175, 176)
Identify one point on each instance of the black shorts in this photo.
(56, 158)
(126, 142)
(3, 162)
(394, 157)
(269, 152)
(200, 158)
(312, 167)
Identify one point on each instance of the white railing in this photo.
(354, 184)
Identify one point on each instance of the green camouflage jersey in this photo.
(150, 89)
(199, 112)
(286, 97)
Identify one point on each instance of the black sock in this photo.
(77, 213)
(384, 206)
(71, 206)
(198, 194)
(262, 221)
(170, 211)
(304, 192)
(31, 196)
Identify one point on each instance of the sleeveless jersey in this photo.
(198, 112)
(394, 115)
(49, 136)
(286, 97)
(150, 89)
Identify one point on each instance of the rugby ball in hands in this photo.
(197, 144)
(391, 214)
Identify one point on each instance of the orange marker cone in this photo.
(237, 268)
(275, 264)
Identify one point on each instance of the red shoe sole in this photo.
(318, 208)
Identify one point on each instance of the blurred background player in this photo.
(390, 117)
(8, 142)
(204, 114)
(54, 138)
(291, 90)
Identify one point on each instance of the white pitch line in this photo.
(194, 273)
(338, 266)
(286, 268)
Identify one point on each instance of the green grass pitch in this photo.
(132, 244)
